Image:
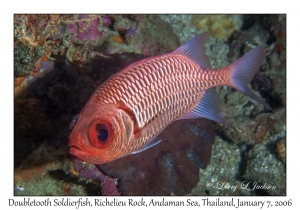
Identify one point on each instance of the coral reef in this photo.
(219, 178)
(281, 150)
(22, 175)
(80, 37)
(32, 41)
(93, 173)
(221, 26)
(109, 34)
(262, 165)
(86, 29)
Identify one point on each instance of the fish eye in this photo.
(102, 134)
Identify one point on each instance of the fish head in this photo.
(101, 134)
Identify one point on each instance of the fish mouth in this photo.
(77, 151)
(84, 156)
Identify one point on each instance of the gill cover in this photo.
(101, 134)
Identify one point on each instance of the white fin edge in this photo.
(152, 143)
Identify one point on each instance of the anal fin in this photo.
(209, 107)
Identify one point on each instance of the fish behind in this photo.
(128, 111)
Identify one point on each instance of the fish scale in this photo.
(161, 91)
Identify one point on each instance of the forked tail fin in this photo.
(244, 69)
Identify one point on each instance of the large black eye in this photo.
(102, 134)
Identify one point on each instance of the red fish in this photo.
(127, 112)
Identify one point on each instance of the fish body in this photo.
(127, 112)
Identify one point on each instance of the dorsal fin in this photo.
(195, 50)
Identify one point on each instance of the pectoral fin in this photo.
(152, 143)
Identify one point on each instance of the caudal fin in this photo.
(244, 69)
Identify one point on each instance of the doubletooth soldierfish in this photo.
(127, 112)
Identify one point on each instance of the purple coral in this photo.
(91, 171)
(106, 21)
(83, 30)
(131, 31)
